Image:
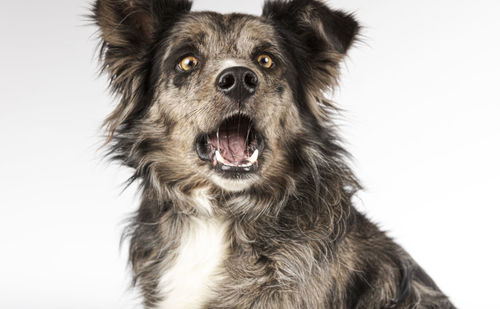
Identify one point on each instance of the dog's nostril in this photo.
(227, 81)
(237, 83)
(250, 80)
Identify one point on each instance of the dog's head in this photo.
(232, 102)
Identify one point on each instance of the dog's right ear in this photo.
(128, 28)
(128, 32)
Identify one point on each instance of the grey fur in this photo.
(296, 241)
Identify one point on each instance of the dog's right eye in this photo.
(265, 61)
(188, 63)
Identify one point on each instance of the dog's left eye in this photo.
(265, 61)
(188, 63)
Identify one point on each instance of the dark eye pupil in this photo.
(264, 60)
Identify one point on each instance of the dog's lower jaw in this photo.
(233, 185)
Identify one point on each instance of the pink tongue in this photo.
(232, 145)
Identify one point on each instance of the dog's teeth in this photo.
(219, 157)
(251, 161)
(254, 157)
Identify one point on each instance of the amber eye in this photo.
(265, 61)
(188, 63)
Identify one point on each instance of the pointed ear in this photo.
(313, 19)
(318, 38)
(128, 30)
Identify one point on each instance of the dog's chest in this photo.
(198, 266)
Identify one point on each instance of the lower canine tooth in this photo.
(219, 157)
(254, 157)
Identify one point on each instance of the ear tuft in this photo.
(318, 38)
(172, 6)
(341, 29)
(123, 23)
(338, 28)
(132, 24)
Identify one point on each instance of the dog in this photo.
(246, 191)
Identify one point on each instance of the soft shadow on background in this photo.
(422, 101)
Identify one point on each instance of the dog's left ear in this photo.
(314, 22)
(318, 38)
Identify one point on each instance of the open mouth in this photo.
(235, 147)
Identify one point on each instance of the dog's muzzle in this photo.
(234, 148)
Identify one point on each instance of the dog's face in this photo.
(223, 86)
(219, 100)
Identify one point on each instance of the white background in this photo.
(421, 94)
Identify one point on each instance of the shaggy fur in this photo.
(287, 233)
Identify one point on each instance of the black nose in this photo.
(238, 83)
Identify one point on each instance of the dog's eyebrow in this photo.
(264, 46)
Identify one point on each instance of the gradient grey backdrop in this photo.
(422, 100)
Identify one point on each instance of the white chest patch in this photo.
(190, 281)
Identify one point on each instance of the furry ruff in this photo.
(246, 191)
